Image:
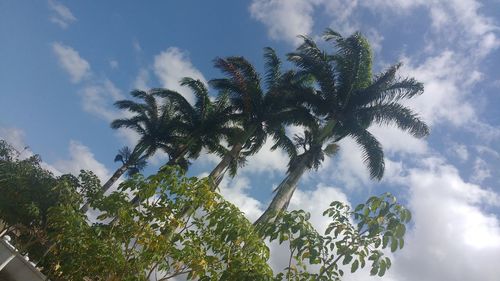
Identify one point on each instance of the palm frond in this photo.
(373, 155)
(272, 64)
(401, 116)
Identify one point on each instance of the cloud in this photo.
(446, 90)
(71, 61)
(266, 161)
(62, 15)
(285, 19)
(142, 79)
(480, 171)
(173, 64)
(235, 191)
(98, 98)
(81, 158)
(14, 136)
(460, 151)
(453, 238)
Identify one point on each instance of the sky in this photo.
(64, 63)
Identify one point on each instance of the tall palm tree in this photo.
(348, 100)
(155, 125)
(202, 125)
(258, 112)
(134, 167)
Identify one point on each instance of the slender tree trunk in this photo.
(283, 196)
(218, 172)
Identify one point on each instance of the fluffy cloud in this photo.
(98, 98)
(453, 238)
(235, 191)
(81, 158)
(173, 64)
(14, 137)
(142, 80)
(445, 88)
(266, 161)
(285, 19)
(460, 151)
(62, 15)
(71, 61)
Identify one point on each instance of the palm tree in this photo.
(348, 100)
(201, 125)
(156, 128)
(134, 167)
(257, 112)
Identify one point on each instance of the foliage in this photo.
(28, 192)
(153, 239)
(216, 243)
(351, 240)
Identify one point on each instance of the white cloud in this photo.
(480, 171)
(235, 191)
(453, 237)
(81, 158)
(14, 137)
(98, 99)
(285, 19)
(171, 65)
(266, 161)
(142, 80)
(62, 15)
(487, 150)
(395, 141)
(444, 99)
(460, 151)
(71, 61)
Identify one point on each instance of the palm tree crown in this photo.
(257, 111)
(347, 100)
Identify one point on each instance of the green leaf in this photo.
(347, 259)
(354, 266)
(394, 244)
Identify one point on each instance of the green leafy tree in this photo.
(216, 243)
(28, 192)
(347, 102)
(154, 241)
(353, 239)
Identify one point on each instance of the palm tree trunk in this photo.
(283, 196)
(218, 172)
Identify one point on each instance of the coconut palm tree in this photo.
(258, 112)
(347, 101)
(134, 167)
(202, 125)
(155, 125)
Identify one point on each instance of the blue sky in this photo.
(64, 63)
